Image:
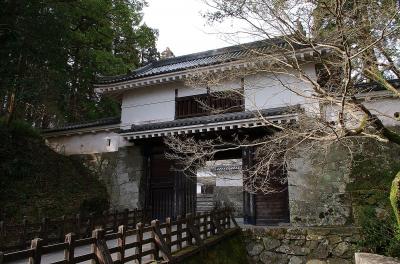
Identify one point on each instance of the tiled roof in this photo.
(200, 59)
(212, 119)
(96, 123)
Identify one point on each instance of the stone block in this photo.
(270, 243)
(273, 258)
(297, 260)
(367, 258)
(316, 261)
(341, 249)
(321, 252)
(293, 250)
(254, 249)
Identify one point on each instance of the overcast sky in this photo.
(183, 29)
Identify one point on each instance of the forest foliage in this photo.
(36, 182)
(52, 51)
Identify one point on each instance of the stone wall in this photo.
(122, 172)
(310, 245)
(317, 188)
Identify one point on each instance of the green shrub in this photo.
(378, 235)
(20, 128)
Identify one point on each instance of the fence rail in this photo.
(168, 242)
(19, 236)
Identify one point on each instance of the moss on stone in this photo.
(372, 173)
(395, 197)
(229, 251)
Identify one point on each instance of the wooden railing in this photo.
(206, 104)
(170, 242)
(19, 236)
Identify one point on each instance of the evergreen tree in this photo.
(52, 51)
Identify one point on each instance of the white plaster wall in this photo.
(88, 143)
(148, 104)
(265, 90)
(383, 108)
(157, 103)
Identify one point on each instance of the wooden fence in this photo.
(169, 242)
(19, 236)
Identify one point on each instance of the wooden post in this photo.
(168, 231)
(69, 251)
(126, 217)
(1, 257)
(159, 242)
(44, 234)
(189, 222)
(100, 249)
(135, 214)
(121, 243)
(36, 245)
(154, 246)
(212, 225)
(179, 232)
(197, 222)
(139, 239)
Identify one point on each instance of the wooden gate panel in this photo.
(266, 209)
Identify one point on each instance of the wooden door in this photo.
(171, 192)
(266, 209)
(161, 187)
(273, 208)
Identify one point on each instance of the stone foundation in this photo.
(309, 245)
(122, 172)
(317, 188)
(367, 258)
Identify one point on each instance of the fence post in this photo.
(193, 231)
(135, 213)
(121, 243)
(69, 250)
(139, 239)
(189, 219)
(154, 246)
(115, 220)
(160, 242)
(179, 232)
(1, 257)
(197, 221)
(100, 249)
(212, 225)
(217, 222)
(126, 215)
(36, 245)
(168, 231)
